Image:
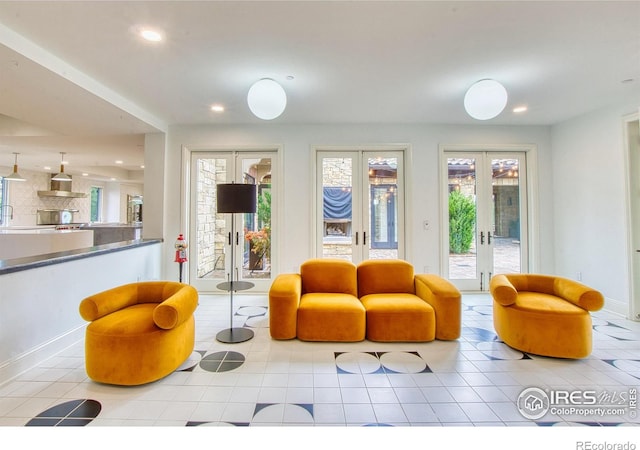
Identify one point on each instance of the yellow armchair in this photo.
(139, 332)
(543, 314)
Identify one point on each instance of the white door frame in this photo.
(188, 152)
(361, 152)
(530, 255)
(632, 156)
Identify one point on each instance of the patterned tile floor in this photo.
(475, 381)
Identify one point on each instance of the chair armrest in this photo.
(502, 290)
(578, 294)
(284, 298)
(177, 308)
(106, 302)
(445, 299)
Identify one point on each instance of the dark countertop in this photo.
(111, 225)
(15, 265)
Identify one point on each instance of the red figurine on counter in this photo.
(181, 253)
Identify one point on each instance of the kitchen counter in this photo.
(32, 262)
(107, 233)
(22, 242)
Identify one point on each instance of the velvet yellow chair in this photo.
(403, 307)
(318, 304)
(543, 314)
(139, 332)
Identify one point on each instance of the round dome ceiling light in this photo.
(267, 99)
(485, 99)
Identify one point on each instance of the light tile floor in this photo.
(474, 381)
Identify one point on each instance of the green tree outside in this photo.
(462, 222)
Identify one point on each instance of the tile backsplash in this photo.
(23, 196)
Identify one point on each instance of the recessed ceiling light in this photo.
(47, 167)
(151, 35)
(118, 161)
(217, 108)
(112, 179)
(519, 109)
(142, 166)
(85, 174)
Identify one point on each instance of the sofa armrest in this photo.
(284, 298)
(445, 299)
(177, 308)
(502, 290)
(106, 302)
(578, 294)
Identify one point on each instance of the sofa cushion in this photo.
(329, 275)
(399, 318)
(382, 276)
(331, 317)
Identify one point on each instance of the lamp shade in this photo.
(15, 176)
(61, 176)
(236, 198)
(267, 99)
(485, 99)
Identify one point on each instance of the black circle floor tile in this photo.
(74, 413)
(222, 361)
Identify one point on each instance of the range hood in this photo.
(61, 189)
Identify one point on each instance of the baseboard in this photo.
(20, 364)
(617, 307)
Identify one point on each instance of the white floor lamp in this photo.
(235, 198)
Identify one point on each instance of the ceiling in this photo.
(76, 77)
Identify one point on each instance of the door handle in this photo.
(356, 238)
(364, 238)
(482, 238)
(489, 237)
(229, 237)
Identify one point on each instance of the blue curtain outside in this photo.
(337, 203)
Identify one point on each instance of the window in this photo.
(96, 204)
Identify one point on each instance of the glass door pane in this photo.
(337, 207)
(462, 215)
(207, 249)
(506, 215)
(383, 207)
(256, 248)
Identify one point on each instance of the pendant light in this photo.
(485, 99)
(267, 99)
(15, 176)
(61, 176)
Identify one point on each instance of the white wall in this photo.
(589, 203)
(423, 185)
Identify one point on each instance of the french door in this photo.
(360, 204)
(486, 212)
(211, 243)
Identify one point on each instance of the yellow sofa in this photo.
(543, 314)
(381, 300)
(139, 332)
